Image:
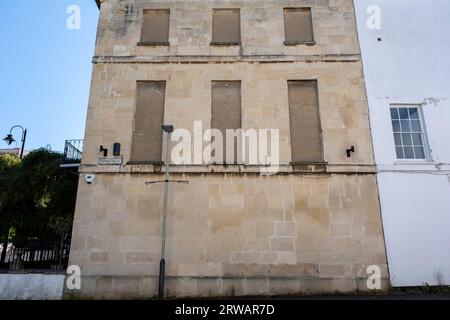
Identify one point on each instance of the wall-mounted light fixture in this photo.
(116, 149)
(350, 151)
(104, 150)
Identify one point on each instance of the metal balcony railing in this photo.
(73, 149)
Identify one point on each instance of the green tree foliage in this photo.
(8, 166)
(37, 197)
(8, 162)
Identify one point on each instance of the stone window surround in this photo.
(154, 43)
(296, 43)
(230, 43)
(319, 118)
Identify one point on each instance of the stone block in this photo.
(99, 257)
(332, 270)
(285, 229)
(254, 287)
(232, 287)
(282, 244)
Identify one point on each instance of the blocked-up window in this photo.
(226, 114)
(408, 130)
(298, 26)
(226, 26)
(148, 119)
(155, 27)
(306, 138)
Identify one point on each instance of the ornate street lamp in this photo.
(10, 139)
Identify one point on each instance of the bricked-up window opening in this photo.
(306, 137)
(155, 27)
(298, 26)
(226, 114)
(148, 119)
(226, 27)
(408, 130)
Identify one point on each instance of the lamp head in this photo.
(9, 139)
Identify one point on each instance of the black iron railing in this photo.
(37, 255)
(73, 149)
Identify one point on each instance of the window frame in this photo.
(296, 43)
(423, 133)
(154, 43)
(221, 43)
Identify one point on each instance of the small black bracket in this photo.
(349, 151)
(168, 181)
(104, 150)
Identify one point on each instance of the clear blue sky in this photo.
(45, 70)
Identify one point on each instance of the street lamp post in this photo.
(10, 139)
(162, 263)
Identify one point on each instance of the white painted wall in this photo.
(416, 227)
(411, 64)
(31, 286)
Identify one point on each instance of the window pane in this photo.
(403, 113)
(399, 151)
(394, 113)
(413, 113)
(398, 139)
(396, 126)
(417, 139)
(409, 153)
(407, 141)
(415, 126)
(405, 126)
(419, 152)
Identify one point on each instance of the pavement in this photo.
(395, 295)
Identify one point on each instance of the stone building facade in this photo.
(314, 226)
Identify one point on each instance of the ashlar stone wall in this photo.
(228, 234)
